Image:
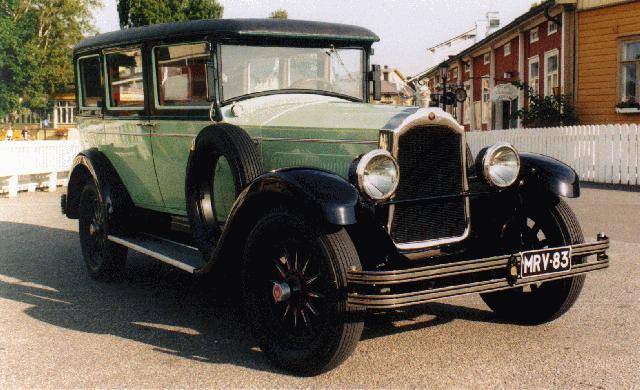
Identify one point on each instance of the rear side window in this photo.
(126, 86)
(91, 81)
(181, 75)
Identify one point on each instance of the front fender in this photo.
(544, 172)
(320, 192)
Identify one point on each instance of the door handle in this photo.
(148, 125)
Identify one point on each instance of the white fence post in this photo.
(53, 181)
(13, 186)
(599, 153)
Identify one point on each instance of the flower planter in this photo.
(628, 110)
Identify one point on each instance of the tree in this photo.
(279, 14)
(546, 111)
(135, 13)
(36, 41)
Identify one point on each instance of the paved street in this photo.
(160, 328)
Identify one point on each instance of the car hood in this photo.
(312, 112)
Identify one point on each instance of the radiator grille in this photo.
(430, 163)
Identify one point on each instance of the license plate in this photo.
(545, 261)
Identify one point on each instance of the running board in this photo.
(182, 256)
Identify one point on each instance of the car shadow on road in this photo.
(154, 304)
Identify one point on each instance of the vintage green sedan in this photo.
(250, 150)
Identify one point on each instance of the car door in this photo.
(180, 110)
(127, 129)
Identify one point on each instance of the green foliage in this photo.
(135, 13)
(546, 111)
(36, 41)
(279, 14)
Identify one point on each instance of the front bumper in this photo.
(375, 289)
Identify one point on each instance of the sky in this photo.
(406, 27)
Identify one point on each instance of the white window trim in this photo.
(549, 24)
(80, 84)
(532, 60)
(484, 58)
(467, 104)
(156, 92)
(467, 67)
(485, 118)
(537, 30)
(621, 63)
(547, 55)
(504, 49)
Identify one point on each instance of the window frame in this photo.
(504, 49)
(486, 58)
(547, 55)
(535, 30)
(622, 62)
(549, 24)
(466, 105)
(80, 84)
(485, 105)
(107, 84)
(154, 75)
(531, 60)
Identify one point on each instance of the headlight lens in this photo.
(378, 174)
(501, 165)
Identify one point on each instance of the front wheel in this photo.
(294, 282)
(542, 226)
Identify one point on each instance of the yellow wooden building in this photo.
(608, 61)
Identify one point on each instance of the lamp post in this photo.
(444, 73)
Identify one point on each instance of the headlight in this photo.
(500, 165)
(378, 174)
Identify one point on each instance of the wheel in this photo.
(104, 259)
(231, 147)
(294, 281)
(546, 226)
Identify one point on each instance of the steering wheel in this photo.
(318, 83)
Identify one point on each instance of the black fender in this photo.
(543, 172)
(93, 165)
(323, 196)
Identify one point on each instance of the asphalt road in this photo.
(160, 328)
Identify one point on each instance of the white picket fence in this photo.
(27, 165)
(607, 154)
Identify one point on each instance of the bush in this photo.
(545, 111)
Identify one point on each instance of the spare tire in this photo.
(237, 149)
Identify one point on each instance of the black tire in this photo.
(235, 145)
(104, 259)
(547, 301)
(310, 332)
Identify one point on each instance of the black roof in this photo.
(234, 28)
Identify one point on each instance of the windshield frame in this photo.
(298, 44)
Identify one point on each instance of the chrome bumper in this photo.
(384, 281)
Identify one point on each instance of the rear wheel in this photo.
(294, 281)
(104, 259)
(543, 226)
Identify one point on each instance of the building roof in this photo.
(506, 29)
(234, 28)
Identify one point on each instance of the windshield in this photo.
(251, 69)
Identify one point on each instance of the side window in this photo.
(181, 75)
(91, 81)
(126, 86)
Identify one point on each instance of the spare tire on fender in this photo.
(243, 157)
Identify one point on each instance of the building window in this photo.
(466, 108)
(486, 100)
(534, 35)
(126, 86)
(534, 74)
(630, 71)
(467, 67)
(90, 75)
(181, 75)
(507, 49)
(551, 78)
(552, 27)
(486, 58)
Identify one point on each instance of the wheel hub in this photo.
(281, 292)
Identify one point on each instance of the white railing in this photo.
(27, 165)
(599, 153)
